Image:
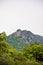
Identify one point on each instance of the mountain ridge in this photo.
(22, 37)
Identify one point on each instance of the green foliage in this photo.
(29, 62)
(6, 51)
(31, 55)
(2, 36)
(34, 51)
(16, 42)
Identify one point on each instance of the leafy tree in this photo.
(34, 51)
(6, 51)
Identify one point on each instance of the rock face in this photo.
(21, 37)
(28, 36)
(18, 32)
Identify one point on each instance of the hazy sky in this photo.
(23, 14)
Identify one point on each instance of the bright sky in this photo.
(23, 14)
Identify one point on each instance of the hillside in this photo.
(20, 38)
(30, 55)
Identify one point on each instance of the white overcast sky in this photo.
(21, 14)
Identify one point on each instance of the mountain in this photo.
(20, 38)
(31, 55)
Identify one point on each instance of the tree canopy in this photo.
(31, 55)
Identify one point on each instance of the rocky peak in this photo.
(26, 35)
(18, 32)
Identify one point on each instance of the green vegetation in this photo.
(20, 38)
(30, 55)
(16, 42)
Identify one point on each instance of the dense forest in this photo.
(31, 54)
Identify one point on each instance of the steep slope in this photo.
(20, 38)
